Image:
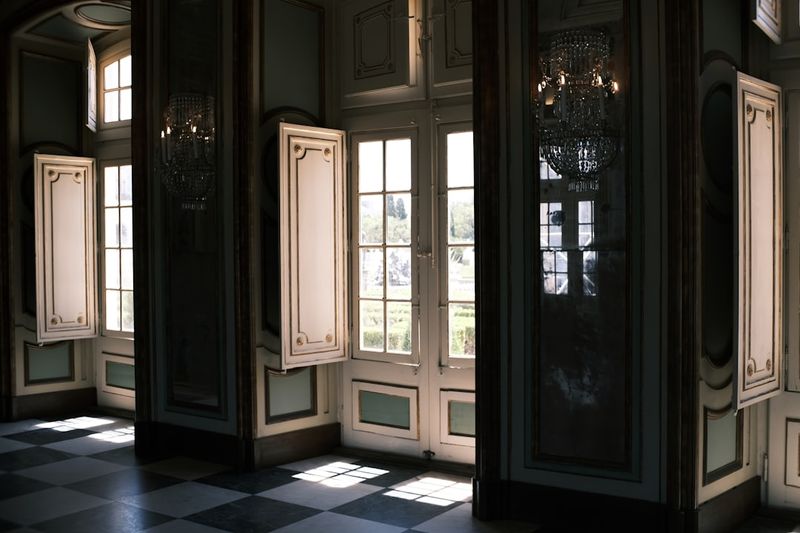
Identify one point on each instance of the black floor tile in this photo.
(8, 526)
(124, 483)
(47, 436)
(123, 456)
(389, 510)
(253, 514)
(30, 457)
(250, 482)
(111, 518)
(12, 485)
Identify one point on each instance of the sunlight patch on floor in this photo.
(434, 491)
(70, 424)
(340, 475)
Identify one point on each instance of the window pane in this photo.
(127, 311)
(461, 216)
(585, 234)
(371, 325)
(399, 327)
(370, 166)
(110, 186)
(111, 76)
(111, 227)
(398, 218)
(562, 284)
(112, 269)
(398, 165)
(125, 71)
(126, 227)
(111, 111)
(460, 167)
(398, 273)
(112, 310)
(371, 285)
(371, 219)
(125, 185)
(127, 269)
(549, 283)
(461, 273)
(561, 262)
(462, 330)
(125, 104)
(586, 212)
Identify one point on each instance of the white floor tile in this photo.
(317, 495)
(185, 468)
(182, 526)
(460, 520)
(10, 445)
(337, 523)
(88, 445)
(70, 470)
(183, 499)
(317, 462)
(45, 505)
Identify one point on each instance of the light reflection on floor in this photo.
(70, 424)
(339, 474)
(117, 436)
(433, 490)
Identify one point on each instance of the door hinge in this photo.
(764, 467)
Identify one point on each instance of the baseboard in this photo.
(49, 404)
(296, 445)
(564, 509)
(458, 469)
(730, 509)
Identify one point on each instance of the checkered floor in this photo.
(81, 475)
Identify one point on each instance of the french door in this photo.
(409, 385)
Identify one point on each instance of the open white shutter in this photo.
(66, 282)
(313, 251)
(760, 213)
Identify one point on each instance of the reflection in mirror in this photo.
(581, 195)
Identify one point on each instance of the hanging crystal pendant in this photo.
(188, 150)
(576, 91)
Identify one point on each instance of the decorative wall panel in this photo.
(52, 363)
(313, 255)
(451, 70)
(767, 16)
(66, 299)
(381, 59)
(760, 341)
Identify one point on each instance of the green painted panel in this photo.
(384, 409)
(291, 393)
(461, 418)
(721, 436)
(48, 363)
(120, 375)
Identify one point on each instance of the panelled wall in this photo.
(780, 64)
(729, 442)
(298, 88)
(47, 117)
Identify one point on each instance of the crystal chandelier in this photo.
(188, 150)
(575, 94)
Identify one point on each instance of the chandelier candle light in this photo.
(188, 149)
(574, 96)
